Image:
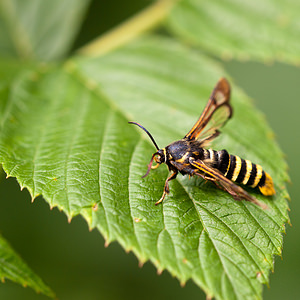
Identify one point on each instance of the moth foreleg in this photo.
(166, 188)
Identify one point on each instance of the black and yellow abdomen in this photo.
(240, 170)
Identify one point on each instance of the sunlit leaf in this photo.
(65, 136)
(261, 30)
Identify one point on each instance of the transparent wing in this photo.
(213, 174)
(217, 111)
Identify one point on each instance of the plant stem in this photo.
(128, 30)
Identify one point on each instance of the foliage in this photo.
(64, 135)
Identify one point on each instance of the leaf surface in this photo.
(65, 136)
(260, 30)
(12, 267)
(39, 29)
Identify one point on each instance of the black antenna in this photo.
(149, 134)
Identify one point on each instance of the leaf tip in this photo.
(279, 252)
(106, 244)
(128, 249)
(141, 263)
(209, 297)
(182, 283)
(159, 271)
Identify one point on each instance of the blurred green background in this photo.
(74, 261)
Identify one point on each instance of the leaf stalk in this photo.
(147, 19)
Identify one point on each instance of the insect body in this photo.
(189, 155)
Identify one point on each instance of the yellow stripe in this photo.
(248, 171)
(227, 166)
(165, 154)
(183, 158)
(258, 176)
(237, 169)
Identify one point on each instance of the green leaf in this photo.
(12, 267)
(9, 69)
(65, 136)
(261, 30)
(39, 29)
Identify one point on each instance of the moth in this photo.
(190, 155)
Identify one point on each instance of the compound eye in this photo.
(157, 158)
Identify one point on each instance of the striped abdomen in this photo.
(241, 170)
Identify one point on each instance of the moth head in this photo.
(159, 157)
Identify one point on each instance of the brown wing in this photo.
(214, 115)
(213, 174)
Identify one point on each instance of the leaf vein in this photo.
(209, 212)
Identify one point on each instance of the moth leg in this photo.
(205, 177)
(155, 167)
(166, 188)
(217, 184)
(208, 178)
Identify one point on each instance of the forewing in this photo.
(217, 111)
(213, 174)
